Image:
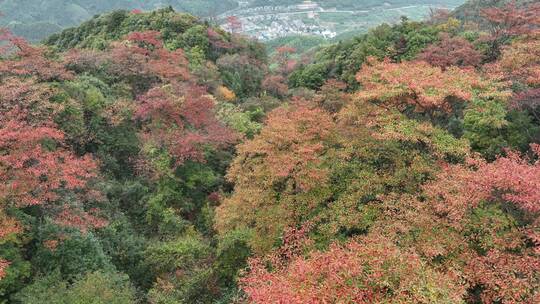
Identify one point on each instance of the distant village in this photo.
(310, 18)
(270, 22)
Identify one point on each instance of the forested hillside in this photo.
(150, 157)
(472, 10)
(36, 19)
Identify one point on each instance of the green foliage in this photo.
(196, 36)
(302, 44)
(342, 60)
(241, 121)
(126, 248)
(183, 253)
(19, 271)
(490, 128)
(232, 253)
(312, 76)
(178, 30)
(87, 125)
(241, 74)
(487, 223)
(76, 254)
(184, 263)
(92, 288)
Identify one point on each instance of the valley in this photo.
(321, 19)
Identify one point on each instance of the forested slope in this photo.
(153, 158)
(472, 10)
(37, 19)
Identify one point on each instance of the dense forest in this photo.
(151, 157)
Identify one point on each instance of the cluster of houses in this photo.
(270, 22)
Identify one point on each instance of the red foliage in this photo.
(30, 173)
(26, 100)
(214, 197)
(25, 59)
(143, 56)
(217, 40)
(510, 21)
(146, 40)
(417, 84)
(332, 96)
(512, 178)
(81, 220)
(35, 165)
(365, 271)
(3, 266)
(276, 84)
(520, 62)
(451, 51)
(527, 100)
(292, 143)
(181, 120)
(235, 24)
(8, 226)
(437, 16)
(51, 244)
(136, 11)
(506, 277)
(284, 59)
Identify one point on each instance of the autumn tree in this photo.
(332, 96)
(451, 51)
(419, 85)
(527, 100)
(24, 59)
(509, 21)
(287, 157)
(180, 120)
(275, 85)
(464, 229)
(495, 206)
(520, 63)
(362, 271)
(141, 60)
(284, 57)
(3, 266)
(38, 170)
(234, 23)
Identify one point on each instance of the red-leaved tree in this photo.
(362, 271)
(24, 59)
(451, 51)
(3, 266)
(418, 85)
(508, 22)
(505, 266)
(37, 168)
(180, 119)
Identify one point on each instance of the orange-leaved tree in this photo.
(278, 174)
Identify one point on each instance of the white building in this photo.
(307, 5)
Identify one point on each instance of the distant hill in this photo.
(178, 30)
(37, 19)
(471, 10)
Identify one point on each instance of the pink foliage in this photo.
(25, 59)
(364, 271)
(513, 178)
(3, 266)
(181, 120)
